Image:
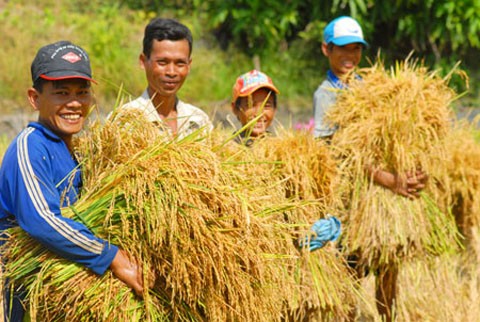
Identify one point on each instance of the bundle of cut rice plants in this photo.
(208, 253)
(395, 120)
(463, 171)
(296, 167)
(307, 164)
(444, 288)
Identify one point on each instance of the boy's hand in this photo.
(415, 182)
(128, 272)
(324, 230)
(409, 187)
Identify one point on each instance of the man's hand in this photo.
(128, 272)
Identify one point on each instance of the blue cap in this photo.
(342, 31)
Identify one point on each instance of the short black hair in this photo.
(39, 83)
(272, 94)
(165, 29)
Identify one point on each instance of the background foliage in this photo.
(232, 36)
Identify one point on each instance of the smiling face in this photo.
(343, 59)
(247, 111)
(62, 105)
(167, 67)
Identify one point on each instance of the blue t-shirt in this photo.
(38, 177)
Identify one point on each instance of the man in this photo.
(166, 59)
(39, 173)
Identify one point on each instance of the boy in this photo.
(33, 188)
(343, 44)
(253, 94)
(166, 59)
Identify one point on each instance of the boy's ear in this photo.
(234, 109)
(33, 98)
(325, 49)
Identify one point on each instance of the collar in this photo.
(45, 130)
(337, 83)
(147, 96)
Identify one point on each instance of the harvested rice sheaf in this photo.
(463, 171)
(296, 167)
(170, 205)
(394, 120)
(212, 246)
(306, 164)
(444, 288)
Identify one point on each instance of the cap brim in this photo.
(70, 76)
(342, 41)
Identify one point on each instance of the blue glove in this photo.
(325, 230)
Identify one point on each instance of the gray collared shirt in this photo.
(323, 99)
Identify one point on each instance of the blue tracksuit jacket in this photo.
(38, 176)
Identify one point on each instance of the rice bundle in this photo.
(444, 288)
(298, 168)
(464, 173)
(307, 164)
(207, 252)
(393, 120)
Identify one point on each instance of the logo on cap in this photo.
(71, 57)
(253, 79)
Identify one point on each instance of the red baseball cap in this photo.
(249, 82)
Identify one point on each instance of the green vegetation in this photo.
(230, 37)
